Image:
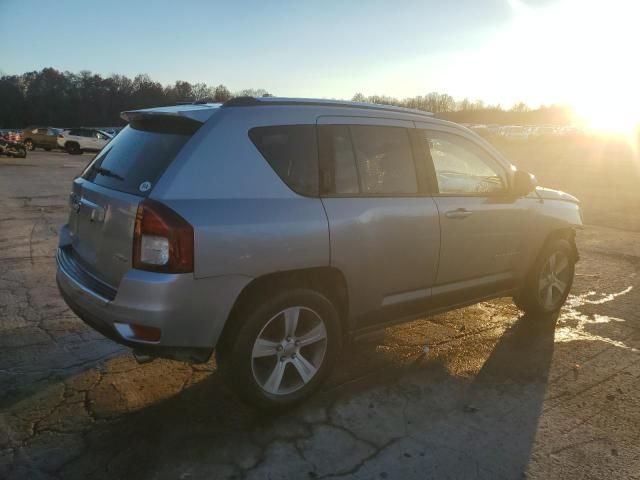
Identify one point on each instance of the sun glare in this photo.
(587, 53)
(578, 53)
(614, 119)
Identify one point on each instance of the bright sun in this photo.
(615, 119)
(582, 53)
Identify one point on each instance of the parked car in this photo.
(543, 132)
(113, 131)
(276, 231)
(40, 137)
(515, 133)
(78, 140)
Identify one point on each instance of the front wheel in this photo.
(282, 350)
(548, 284)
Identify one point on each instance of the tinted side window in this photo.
(384, 160)
(366, 159)
(462, 167)
(292, 151)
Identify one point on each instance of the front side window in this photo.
(292, 151)
(367, 160)
(462, 167)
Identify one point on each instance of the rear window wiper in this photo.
(106, 172)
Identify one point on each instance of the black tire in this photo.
(72, 148)
(545, 291)
(47, 149)
(235, 358)
(29, 145)
(21, 153)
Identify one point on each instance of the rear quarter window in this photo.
(292, 152)
(138, 156)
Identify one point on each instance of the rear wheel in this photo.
(72, 148)
(28, 143)
(282, 350)
(549, 283)
(47, 149)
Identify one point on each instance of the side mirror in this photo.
(523, 183)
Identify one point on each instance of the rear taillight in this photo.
(162, 239)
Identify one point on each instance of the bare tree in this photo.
(221, 94)
(520, 107)
(202, 92)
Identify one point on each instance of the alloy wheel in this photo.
(289, 350)
(555, 277)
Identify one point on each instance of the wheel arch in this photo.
(567, 233)
(564, 233)
(329, 281)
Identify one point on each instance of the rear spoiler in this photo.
(198, 113)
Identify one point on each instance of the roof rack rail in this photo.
(272, 101)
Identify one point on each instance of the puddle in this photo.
(572, 323)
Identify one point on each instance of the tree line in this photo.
(67, 99)
(468, 111)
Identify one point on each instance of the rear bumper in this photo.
(190, 313)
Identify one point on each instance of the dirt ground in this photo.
(497, 394)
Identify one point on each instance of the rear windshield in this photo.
(138, 156)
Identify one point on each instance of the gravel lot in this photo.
(497, 395)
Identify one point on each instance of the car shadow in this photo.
(506, 397)
(206, 430)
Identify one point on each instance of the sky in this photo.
(500, 51)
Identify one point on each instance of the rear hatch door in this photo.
(106, 196)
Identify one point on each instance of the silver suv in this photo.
(275, 230)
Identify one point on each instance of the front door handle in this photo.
(459, 213)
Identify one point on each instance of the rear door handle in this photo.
(458, 213)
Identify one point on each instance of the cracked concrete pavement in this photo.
(497, 395)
